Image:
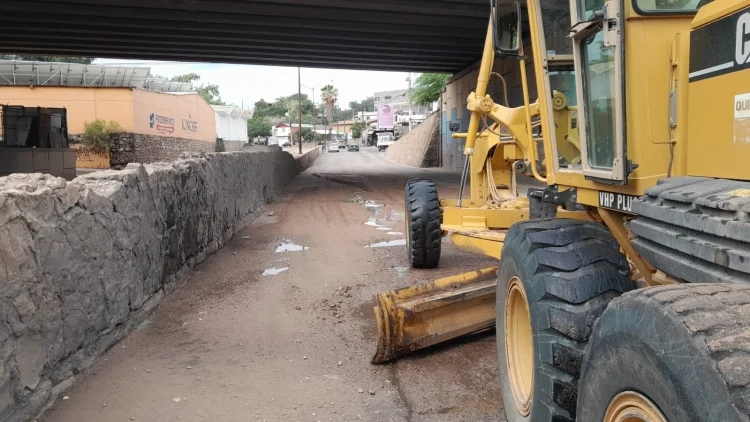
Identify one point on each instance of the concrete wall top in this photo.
(180, 116)
(83, 104)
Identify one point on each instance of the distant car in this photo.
(285, 144)
(342, 144)
(353, 147)
(332, 147)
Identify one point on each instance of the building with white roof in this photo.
(231, 122)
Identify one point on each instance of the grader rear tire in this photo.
(555, 278)
(682, 348)
(423, 232)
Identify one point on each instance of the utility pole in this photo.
(299, 105)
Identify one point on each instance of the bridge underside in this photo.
(414, 35)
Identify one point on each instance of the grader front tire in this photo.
(682, 348)
(423, 232)
(555, 278)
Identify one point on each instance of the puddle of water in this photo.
(384, 228)
(395, 233)
(357, 198)
(289, 246)
(372, 206)
(275, 271)
(372, 222)
(397, 242)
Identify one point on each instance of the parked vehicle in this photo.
(385, 140)
(333, 147)
(353, 147)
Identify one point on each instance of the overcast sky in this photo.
(240, 83)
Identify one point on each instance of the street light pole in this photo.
(299, 105)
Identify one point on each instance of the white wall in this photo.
(231, 128)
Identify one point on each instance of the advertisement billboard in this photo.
(385, 116)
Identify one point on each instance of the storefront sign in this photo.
(189, 125)
(162, 124)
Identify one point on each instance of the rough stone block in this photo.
(86, 261)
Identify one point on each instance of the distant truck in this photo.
(371, 136)
(385, 139)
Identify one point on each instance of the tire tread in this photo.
(576, 269)
(423, 223)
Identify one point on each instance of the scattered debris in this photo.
(66, 398)
(371, 392)
(360, 391)
(397, 242)
(176, 399)
(275, 271)
(289, 246)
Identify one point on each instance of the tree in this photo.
(210, 93)
(357, 130)
(257, 127)
(187, 77)
(428, 86)
(56, 59)
(283, 105)
(329, 95)
(368, 104)
(308, 135)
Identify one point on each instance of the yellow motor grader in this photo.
(622, 291)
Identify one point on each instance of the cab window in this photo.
(669, 6)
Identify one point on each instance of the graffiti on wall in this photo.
(89, 158)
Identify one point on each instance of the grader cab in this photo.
(622, 289)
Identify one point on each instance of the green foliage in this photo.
(210, 93)
(257, 127)
(219, 146)
(56, 59)
(428, 86)
(187, 77)
(357, 130)
(98, 134)
(308, 135)
(283, 105)
(368, 104)
(329, 95)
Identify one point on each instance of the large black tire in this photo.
(423, 232)
(686, 348)
(570, 270)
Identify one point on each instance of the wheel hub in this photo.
(630, 406)
(519, 346)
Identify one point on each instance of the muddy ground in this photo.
(233, 344)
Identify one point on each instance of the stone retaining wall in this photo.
(138, 148)
(85, 261)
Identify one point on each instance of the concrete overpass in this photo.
(413, 35)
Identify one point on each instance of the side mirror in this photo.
(507, 30)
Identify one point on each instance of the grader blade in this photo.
(423, 315)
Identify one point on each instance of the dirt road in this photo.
(233, 344)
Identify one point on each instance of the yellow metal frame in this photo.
(513, 137)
